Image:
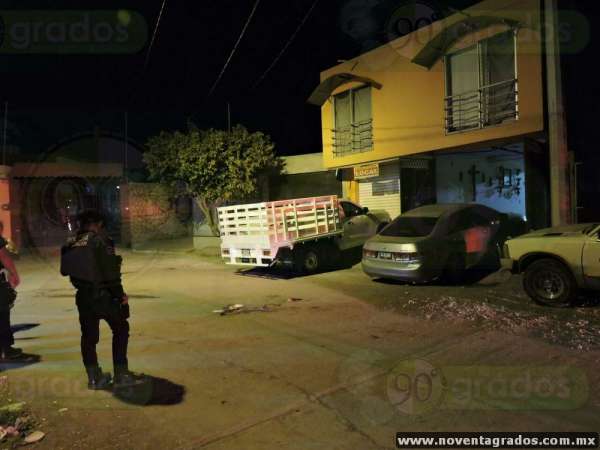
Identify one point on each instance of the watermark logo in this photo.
(415, 23)
(418, 387)
(410, 17)
(372, 23)
(415, 387)
(72, 32)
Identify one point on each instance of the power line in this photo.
(162, 8)
(285, 47)
(235, 47)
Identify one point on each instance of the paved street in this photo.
(347, 365)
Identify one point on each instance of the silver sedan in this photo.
(434, 241)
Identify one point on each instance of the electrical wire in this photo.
(235, 47)
(162, 8)
(285, 47)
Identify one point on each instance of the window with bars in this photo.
(482, 84)
(353, 128)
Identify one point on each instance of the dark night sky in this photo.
(52, 97)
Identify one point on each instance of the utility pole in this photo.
(560, 187)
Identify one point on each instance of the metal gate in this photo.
(382, 192)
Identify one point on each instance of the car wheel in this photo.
(308, 260)
(454, 271)
(548, 282)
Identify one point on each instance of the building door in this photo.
(417, 183)
(382, 192)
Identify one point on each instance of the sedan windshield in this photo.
(405, 226)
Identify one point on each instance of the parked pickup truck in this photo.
(306, 233)
(556, 262)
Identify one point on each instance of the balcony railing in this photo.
(488, 106)
(356, 138)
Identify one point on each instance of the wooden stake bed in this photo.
(252, 234)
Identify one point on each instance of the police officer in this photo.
(9, 280)
(95, 271)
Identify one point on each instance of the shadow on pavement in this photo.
(23, 327)
(24, 360)
(348, 259)
(269, 273)
(153, 391)
(588, 299)
(471, 278)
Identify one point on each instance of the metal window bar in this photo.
(487, 106)
(356, 138)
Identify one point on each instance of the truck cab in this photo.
(359, 224)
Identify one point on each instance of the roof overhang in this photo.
(437, 47)
(329, 85)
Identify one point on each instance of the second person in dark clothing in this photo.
(9, 279)
(90, 261)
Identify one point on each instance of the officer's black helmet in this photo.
(88, 217)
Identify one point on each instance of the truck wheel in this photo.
(307, 259)
(548, 282)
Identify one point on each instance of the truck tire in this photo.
(550, 283)
(307, 259)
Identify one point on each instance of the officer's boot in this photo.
(97, 379)
(125, 378)
(9, 352)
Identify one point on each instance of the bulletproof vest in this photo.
(88, 258)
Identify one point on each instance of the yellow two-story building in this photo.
(451, 113)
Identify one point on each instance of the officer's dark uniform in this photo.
(94, 269)
(6, 292)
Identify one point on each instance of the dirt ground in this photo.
(331, 361)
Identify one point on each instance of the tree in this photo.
(213, 166)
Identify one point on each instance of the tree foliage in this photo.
(213, 166)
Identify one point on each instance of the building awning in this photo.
(326, 88)
(437, 47)
(67, 170)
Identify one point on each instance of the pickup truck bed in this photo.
(253, 234)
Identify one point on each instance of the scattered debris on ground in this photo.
(239, 308)
(34, 437)
(16, 424)
(243, 309)
(577, 329)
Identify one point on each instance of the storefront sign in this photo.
(366, 171)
